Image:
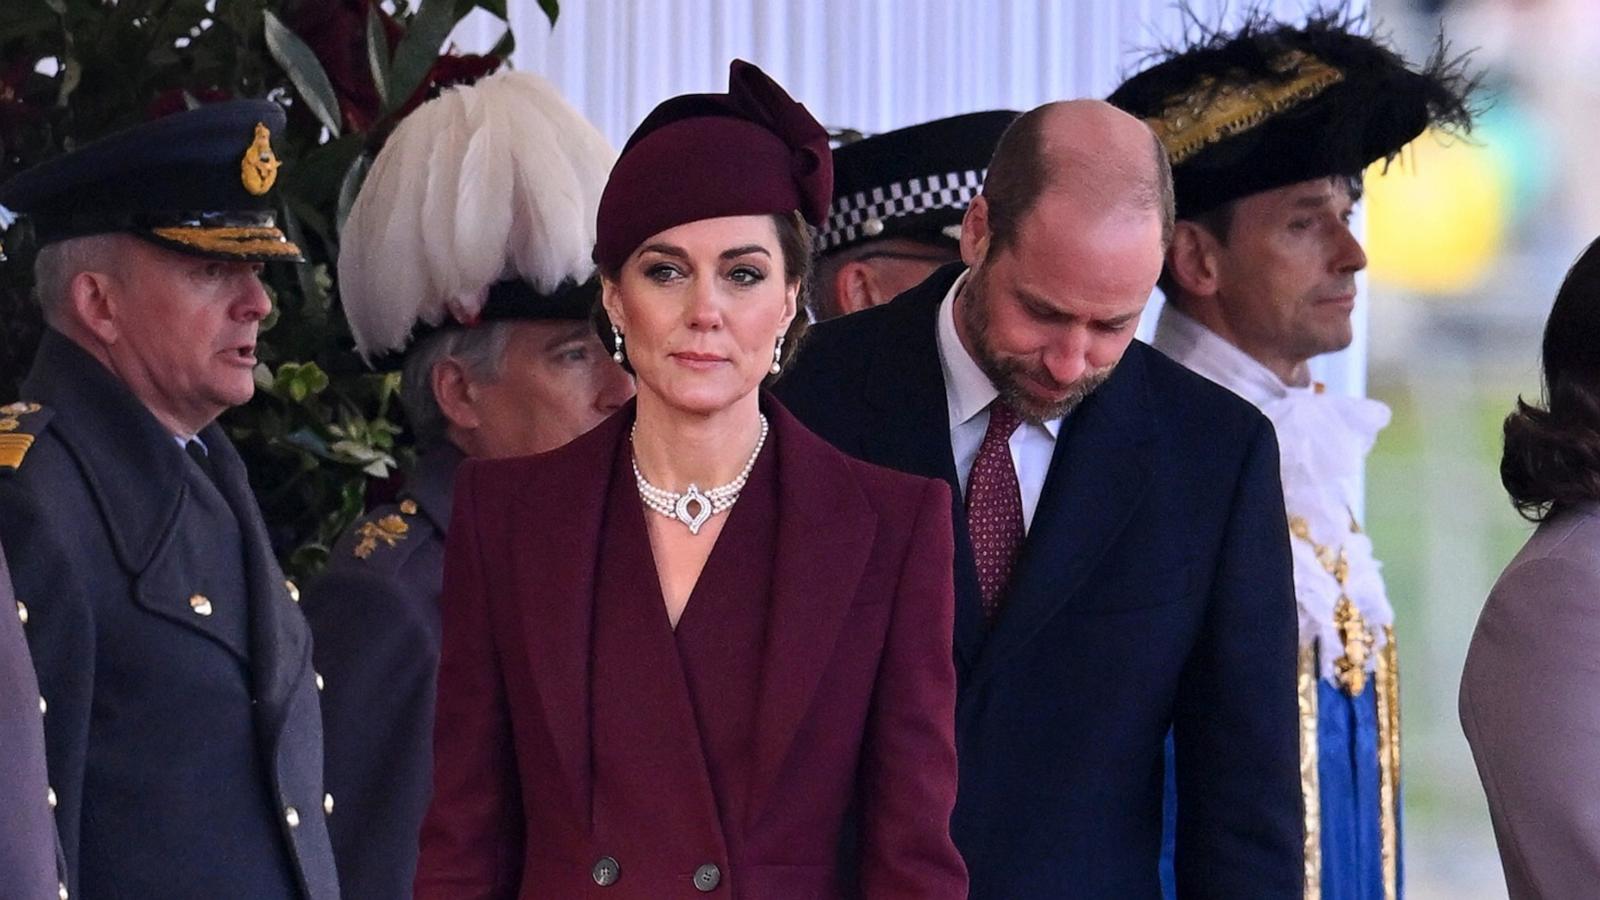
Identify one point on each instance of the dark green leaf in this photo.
(552, 8)
(504, 47)
(378, 55)
(302, 67)
(350, 187)
(419, 49)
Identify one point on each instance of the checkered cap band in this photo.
(848, 215)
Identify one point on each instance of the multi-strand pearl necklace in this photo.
(694, 507)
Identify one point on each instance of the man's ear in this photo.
(452, 390)
(1192, 260)
(975, 232)
(92, 303)
(855, 287)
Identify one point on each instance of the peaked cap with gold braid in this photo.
(1273, 104)
(199, 182)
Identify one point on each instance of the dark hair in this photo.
(794, 242)
(1021, 171)
(1552, 454)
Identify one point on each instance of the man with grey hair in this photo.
(182, 733)
(511, 366)
(1121, 565)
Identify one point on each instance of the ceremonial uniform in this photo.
(181, 723)
(375, 616)
(502, 314)
(181, 717)
(1348, 680)
(1269, 130)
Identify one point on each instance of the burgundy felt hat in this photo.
(751, 151)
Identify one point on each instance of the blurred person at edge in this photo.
(1530, 695)
(1122, 567)
(180, 713)
(28, 843)
(898, 199)
(1260, 278)
(648, 686)
(512, 367)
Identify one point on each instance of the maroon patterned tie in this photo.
(994, 507)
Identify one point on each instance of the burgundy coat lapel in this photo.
(825, 533)
(555, 575)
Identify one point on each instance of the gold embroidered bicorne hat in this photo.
(199, 182)
(1272, 104)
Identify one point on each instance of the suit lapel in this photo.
(278, 634)
(556, 574)
(825, 534)
(909, 429)
(1098, 474)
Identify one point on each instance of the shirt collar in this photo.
(967, 390)
(1201, 349)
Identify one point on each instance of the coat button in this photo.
(292, 816)
(606, 871)
(43, 706)
(327, 804)
(200, 604)
(707, 877)
(320, 683)
(61, 890)
(294, 592)
(22, 612)
(50, 796)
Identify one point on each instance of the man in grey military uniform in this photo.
(28, 840)
(514, 367)
(181, 720)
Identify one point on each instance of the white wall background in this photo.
(870, 65)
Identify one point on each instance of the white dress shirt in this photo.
(968, 393)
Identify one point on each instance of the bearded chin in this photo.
(1029, 407)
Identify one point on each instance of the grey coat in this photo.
(28, 840)
(1530, 706)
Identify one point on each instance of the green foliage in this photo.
(322, 426)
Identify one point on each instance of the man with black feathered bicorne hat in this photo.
(1269, 129)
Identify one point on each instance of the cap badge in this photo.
(259, 168)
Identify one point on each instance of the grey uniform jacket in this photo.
(1530, 706)
(374, 615)
(183, 732)
(28, 838)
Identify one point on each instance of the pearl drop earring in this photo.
(617, 353)
(777, 356)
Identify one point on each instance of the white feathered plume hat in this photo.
(480, 206)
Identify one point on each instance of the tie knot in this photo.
(1003, 419)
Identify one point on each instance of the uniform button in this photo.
(50, 796)
(43, 706)
(61, 890)
(327, 804)
(606, 871)
(320, 683)
(292, 816)
(22, 612)
(200, 604)
(294, 592)
(707, 877)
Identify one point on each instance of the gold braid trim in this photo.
(1212, 111)
(238, 241)
(13, 447)
(1310, 782)
(1388, 677)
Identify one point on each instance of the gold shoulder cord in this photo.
(1389, 763)
(1310, 787)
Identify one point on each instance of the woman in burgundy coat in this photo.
(698, 651)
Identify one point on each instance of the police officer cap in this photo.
(1273, 104)
(913, 182)
(199, 182)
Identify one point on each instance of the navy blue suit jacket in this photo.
(1153, 592)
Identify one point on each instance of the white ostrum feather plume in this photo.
(493, 181)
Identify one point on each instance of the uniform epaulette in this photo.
(389, 529)
(20, 423)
